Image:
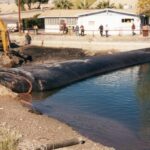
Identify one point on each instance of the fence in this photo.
(56, 31)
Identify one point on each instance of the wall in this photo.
(113, 20)
(53, 24)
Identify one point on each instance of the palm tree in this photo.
(105, 4)
(144, 7)
(63, 4)
(83, 4)
(22, 3)
(120, 6)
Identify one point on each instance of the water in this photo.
(113, 109)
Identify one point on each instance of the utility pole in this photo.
(19, 16)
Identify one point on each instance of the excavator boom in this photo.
(4, 36)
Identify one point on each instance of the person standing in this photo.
(77, 30)
(101, 29)
(27, 38)
(106, 30)
(82, 30)
(133, 29)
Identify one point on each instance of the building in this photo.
(119, 21)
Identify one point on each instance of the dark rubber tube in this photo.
(50, 76)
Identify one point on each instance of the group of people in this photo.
(101, 30)
(79, 30)
(106, 29)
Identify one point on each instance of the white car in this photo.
(12, 27)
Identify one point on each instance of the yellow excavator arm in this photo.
(4, 36)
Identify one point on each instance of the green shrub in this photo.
(28, 23)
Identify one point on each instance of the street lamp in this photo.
(19, 16)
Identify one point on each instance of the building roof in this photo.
(118, 11)
(80, 12)
(63, 13)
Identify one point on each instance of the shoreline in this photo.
(37, 131)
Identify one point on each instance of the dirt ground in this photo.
(38, 131)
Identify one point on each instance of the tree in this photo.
(63, 4)
(41, 2)
(22, 3)
(105, 4)
(143, 7)
(83, 4)
(120, 6)
(30, 2)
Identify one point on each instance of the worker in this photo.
(27, 38)
(133, 29)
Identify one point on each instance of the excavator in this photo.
(9, 54)
(4, 37)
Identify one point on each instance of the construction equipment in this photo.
(11, 56)
(4, 37)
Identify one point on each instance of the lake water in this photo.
(113, 109)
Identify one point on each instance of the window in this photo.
(52, 21)
(127, 20)
(57, 21)
(91, 23)
(71, 21)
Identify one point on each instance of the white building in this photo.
(119, 22)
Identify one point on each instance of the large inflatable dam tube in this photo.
(50, 76)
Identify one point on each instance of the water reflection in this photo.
(143, 92)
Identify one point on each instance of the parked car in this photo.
(12, 27)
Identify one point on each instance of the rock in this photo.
(6, 61)
(7, 92)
